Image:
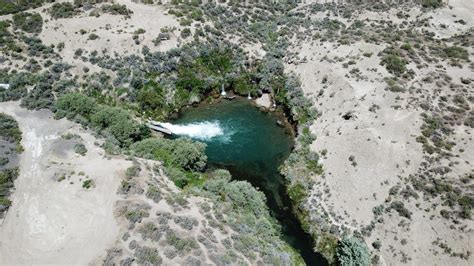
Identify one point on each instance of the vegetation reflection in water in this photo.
(251, 145)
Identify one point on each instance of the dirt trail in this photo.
(54, 221)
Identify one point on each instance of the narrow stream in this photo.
(251, 145)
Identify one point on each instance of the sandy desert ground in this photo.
(374, 148)
(366, 132)
(55, 221)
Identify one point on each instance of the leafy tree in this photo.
(182, 153)
(9, 129)
(28, 22)
(352, 251)
(62, 10)
(10, 7)
(394, 64)
(116, 9)
(185, 33)
(152, 98)
(113, 120)
(80, 148)
(189, 154)
(432, 3)
(243, 195)
(119, 123)
(72, 104)
(179, 177)
(217, 181)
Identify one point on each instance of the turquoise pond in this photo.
(251, 144)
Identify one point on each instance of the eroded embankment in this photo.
(54, 218)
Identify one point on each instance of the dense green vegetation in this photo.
(432, 3)
(457, 52)
(183, 158)
(10, 7)
(116, 9)
(113, 122)
(181, 152)
(394, 64)
(353, 252)
(7, 42)
(62, 10)
(7, 177)
(80, 148)
(28, 22)
(9, 132)
(261, 24)
(239, 201)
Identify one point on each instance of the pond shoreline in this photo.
(278, 201)
(279, 111)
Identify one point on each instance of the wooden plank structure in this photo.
(156, 126)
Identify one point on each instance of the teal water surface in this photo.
(251, 145)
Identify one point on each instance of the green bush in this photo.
(7, 178)
(189, 154)
(400, 208)
(62, 10)
(181, 244)
(119, 123)
(72, 105)
(217, 180)
(153, 193)
(116, 9)
(352, 251)
(9, 129)
(88, 183)
(185, 33)
(457, 52)
(28, 22)
(394, 64)
(297, 192)
(147, 256)
(466, 203)
(432, 3)
(139, 31)
(182, 153)
(178, 176)
(151, 99)
(241, 194)
(80, 149)
(4, 161)
(132, 171)
(112, 120)
(10, 7)
(93, 36)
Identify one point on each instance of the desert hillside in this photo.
(376, 97)
(395, 143)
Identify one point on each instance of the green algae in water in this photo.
(251, 145)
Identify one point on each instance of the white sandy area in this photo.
(382, 143)
(53, 222)
(115, 33)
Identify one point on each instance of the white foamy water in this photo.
(201, 130)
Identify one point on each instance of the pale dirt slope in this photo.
(54, 222)
(380, 135)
